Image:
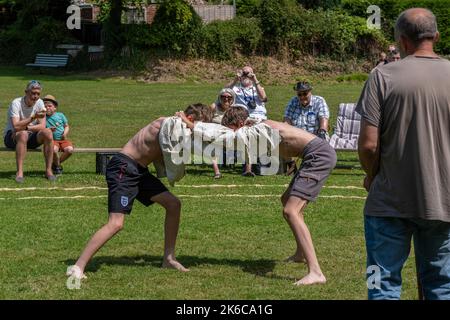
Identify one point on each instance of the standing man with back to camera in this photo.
(404, 148)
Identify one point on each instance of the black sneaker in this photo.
(57, 170)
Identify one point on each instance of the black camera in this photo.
(251, 105)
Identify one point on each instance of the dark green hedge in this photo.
(390, 10)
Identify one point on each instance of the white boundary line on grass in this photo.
(180, 185)
(53, 188)
(184, 196)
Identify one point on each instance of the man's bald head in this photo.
(417, 25)
(247, 69)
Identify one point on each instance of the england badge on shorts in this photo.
(124, 201)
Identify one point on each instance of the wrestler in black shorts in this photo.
(128, 180)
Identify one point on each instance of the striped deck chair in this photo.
(346, 133)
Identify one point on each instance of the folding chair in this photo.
(346, 132)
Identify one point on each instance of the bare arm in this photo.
(66, 132)
(37, 127)
(369, 151)
(20, 125)
(25, 124)
(236, 79)
(259, 89)
(183, 117)
(323, 124)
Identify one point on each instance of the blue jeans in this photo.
(388, 243)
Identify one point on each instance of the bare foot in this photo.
(76, 272)
(174, 264)
(311, 278)
(298, 258)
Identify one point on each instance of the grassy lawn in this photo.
(232, 237)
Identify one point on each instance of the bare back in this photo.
(144, 146)
(293, 140)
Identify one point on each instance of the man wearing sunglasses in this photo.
(25, 129)
(308, 112)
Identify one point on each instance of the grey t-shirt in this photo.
(409, 101)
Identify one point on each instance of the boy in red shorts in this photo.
(57, 122)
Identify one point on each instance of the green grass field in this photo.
(232, 236)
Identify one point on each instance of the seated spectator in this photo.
(250, 94)
(224, 101)
(308, 112)
(57, 122)
(25, 129)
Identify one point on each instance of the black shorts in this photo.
(128, 180)
(318, 160)
(32, 142)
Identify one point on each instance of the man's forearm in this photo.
(369, 160)
(260, 90)
(323, 124)
(36, 128)
(369, 148)
(22, 124)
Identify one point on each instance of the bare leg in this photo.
(216, 169)
(298, 256)
(21, 151)
(56, 160)
(248, 170)
(173, 210)
(114, 225)
(46, 137)
(66, 154)
(293, 213)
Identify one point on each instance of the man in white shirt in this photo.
(25, 128)
(249, 94)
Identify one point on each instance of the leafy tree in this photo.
(175, 26)
(315, 4)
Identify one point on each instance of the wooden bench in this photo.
(50, 61)
(102, 155)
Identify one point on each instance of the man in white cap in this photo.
(25, 129)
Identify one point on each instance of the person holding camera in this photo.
(249, 93)
(308, 112)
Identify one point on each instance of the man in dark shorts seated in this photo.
(319, 159)
(128, 179)
(25, 129)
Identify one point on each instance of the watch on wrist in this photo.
(322, 133)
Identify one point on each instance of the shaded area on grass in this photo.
(260, 267)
